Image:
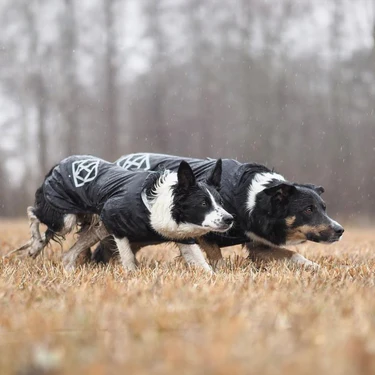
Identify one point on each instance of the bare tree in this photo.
(37, 83)
(111, 76)
(70, 101)
(157, 129)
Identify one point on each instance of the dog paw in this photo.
(36, 248)
(69, 262)
(69, 267)
(300, 260)
(130, 267)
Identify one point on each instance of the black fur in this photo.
(287, 213)
(53, 219)
(191, 198)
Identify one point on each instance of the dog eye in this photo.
(309, 210)
(204, 204)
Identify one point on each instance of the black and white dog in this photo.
(134, 207)
(269, 211)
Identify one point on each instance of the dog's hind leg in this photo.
(80, 250)
(193, 256)
(37, 242)
(34, 228)
(41, 241)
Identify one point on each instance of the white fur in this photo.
(214, 218)
(258, 184)
(126, 254)
(160, 206)
(301, 260)
(70, 221)
(193, 256)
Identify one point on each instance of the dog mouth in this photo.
(219, 228)
(334, 239)
(327, 240)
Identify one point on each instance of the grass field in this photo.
(168, 319)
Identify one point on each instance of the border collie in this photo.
(269, 210)
(134, 207)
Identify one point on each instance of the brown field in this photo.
(169, 319)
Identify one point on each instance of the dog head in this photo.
(181, 207)
(284, 213)
(199, 203)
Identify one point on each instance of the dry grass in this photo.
(167, 319)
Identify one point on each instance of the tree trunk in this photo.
(38, 88)
(69, 67)
(41, 112)
(157, 130)
(111, 96)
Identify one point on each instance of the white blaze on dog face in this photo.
(217, 219)
(258, 184)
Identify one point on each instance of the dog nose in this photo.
(228, 219)
(339, 230)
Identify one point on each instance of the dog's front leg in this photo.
(193, 256)
(126, 254)
(213, 252)
(262, 252)
(80, 249)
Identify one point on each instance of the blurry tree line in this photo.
(189, 77)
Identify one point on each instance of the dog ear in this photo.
(280, 192)
(185, 176)
(215, 177)
(318, 189)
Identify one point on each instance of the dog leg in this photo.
(37, 242)
(261, 252)
(79, 251)
(193, 256)
(126, 254)
(213, 252)
(300, 260)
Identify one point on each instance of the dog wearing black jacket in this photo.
(269, 211)
(134, 207)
